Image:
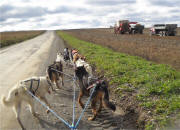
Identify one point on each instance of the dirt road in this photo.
(21, 61)
(30, 58)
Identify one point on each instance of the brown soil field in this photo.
(9, 38)
(164, 50)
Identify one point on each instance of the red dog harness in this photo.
(74, 52)
(95, 84)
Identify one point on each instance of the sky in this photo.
(73, 14)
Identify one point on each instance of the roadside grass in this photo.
(156, 86)
(9, 38)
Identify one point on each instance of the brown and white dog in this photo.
(55, 75)
(39, 86)
(100, 92)
(75, 56)
(88, 68)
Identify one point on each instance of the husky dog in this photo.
(66, 54)
(38, 86)
(54, 75)
(88, 68)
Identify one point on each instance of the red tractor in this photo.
(124, 26)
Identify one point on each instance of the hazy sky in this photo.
(66, 14)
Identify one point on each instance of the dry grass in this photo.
(165, 50)
(9, 38)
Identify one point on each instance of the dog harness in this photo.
(31, 85)
(95, 84)
(74, 52)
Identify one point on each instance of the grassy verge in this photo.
(155, 86)
(9, 38)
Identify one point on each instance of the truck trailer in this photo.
(163, 29)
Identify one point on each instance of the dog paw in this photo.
(23, 128)
(90, 118)
(36, 114)
(47, 111)
(55, 90)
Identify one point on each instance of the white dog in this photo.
(39, 86)
(59, 57)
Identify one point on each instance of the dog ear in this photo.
(22, 83)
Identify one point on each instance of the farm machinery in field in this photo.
(135, 27)
(163, 29)
(124, 26)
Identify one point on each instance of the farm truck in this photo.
(163, 29)
(135, 27)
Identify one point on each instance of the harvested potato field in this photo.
(165, 50)
(9, 38)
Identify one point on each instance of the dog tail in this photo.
(8, 102)
(49, 72)
(106, 101)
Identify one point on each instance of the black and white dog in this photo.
(66, 54)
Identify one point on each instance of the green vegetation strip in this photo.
(157, 86)
(9, 38)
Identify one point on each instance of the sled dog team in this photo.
(40, 86)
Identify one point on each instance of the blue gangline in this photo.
(49, 108)
(74, 103)
(73, 118)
